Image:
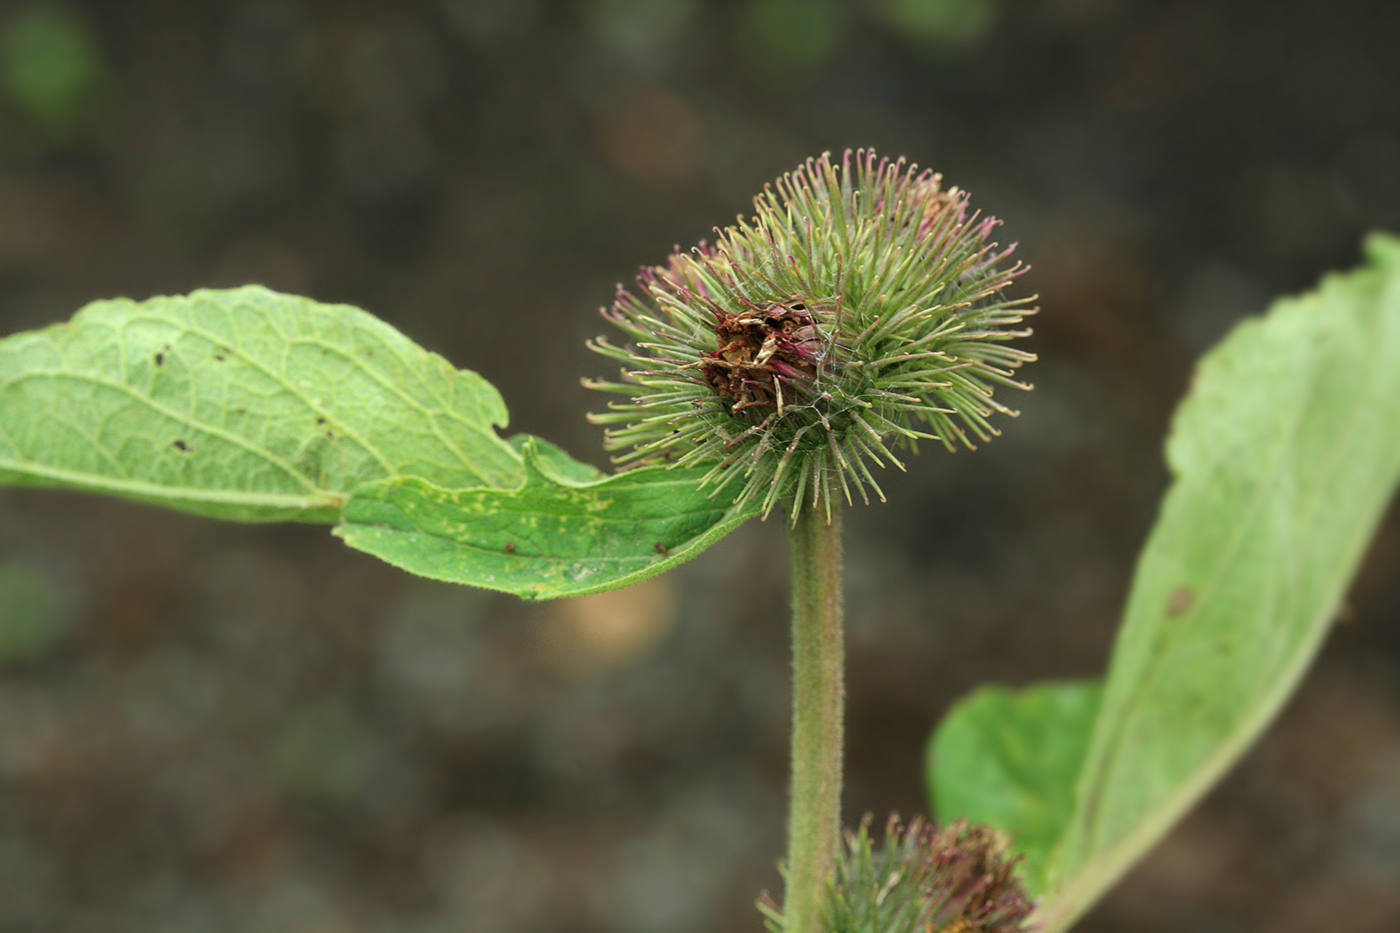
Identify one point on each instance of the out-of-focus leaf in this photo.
(558, 535)
(323, 753)
(242, 404)
(1010, 759)
(31, 612)
(946, 23)
(50, 65)
(1285, 454)
(787, 41)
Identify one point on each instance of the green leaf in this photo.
(254, 406)
(554, 461)
(1010, 759)
(1285, 454)
(561, 534)
(242, 404)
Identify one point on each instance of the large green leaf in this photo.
(564, 533)
(1285, 454)
(1010, 759)
(242, 404)
(254, 406)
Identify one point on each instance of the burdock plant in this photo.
(863, 306)
(862, 309)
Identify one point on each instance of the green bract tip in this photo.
(863, 304)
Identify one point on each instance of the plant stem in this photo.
(818, 700)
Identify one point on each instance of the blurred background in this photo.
(222, 728)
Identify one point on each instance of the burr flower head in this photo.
(863, 307)
(954, 879)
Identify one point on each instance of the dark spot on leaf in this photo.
(320, 421)
(312, 464)
(160, 356)
(330, 435)
(1180, 602)
(222, 354)
(662, 549)
(181, 446)
(510, 548)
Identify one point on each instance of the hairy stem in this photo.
(818, 700)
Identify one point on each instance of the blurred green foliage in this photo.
(31, 619)
(786, 40)
(1010, 759)
(50, 67)
(640, 27)
(323, 753)
(946, 23)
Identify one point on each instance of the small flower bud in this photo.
(862, 305)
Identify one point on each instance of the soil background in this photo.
(224, 728)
